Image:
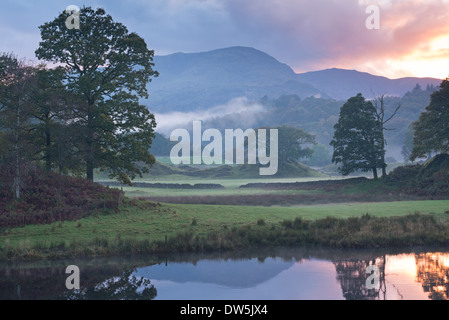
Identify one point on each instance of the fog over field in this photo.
(243, 113)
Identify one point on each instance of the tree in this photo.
(357, 141)
(51, 119)
(293, 144)
(407, 147)
(161, 145)
(321, 156)
(290, 144)
(432, 128)
(36, 115)
(382, 120)
(124, 287)
(108, 68)
(16, 79)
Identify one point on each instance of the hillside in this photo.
(192, 81)
(318, 116)
(342, 84)
(225, 171)
(428, 179)
(48, 197)
(198, 81)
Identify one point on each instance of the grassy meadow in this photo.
(143, 225)
(140, 221)
(185, 210)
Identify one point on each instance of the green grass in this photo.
(136, 192)
(231, 186)
(152, 224)
(226, 182)
(163, 171)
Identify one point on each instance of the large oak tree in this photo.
(108, 68)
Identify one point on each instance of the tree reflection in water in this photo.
(433, 273)
(111, 279)
(102, 279)
(125, 287)
(352, 277)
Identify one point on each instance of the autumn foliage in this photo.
(48, 197)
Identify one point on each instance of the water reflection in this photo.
(124, 287)
(101, 279)
(352, 276)
(269, 274)
(433, 273)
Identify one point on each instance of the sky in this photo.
(412, 38)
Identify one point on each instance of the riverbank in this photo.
(147, 227)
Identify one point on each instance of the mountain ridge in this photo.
(368, 84)
(199, 81)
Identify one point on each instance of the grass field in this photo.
(143, 226)
(136, 192)
(269, 192)
(231, 186)
(154, 223)
(226, 182)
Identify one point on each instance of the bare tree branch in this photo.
(394, 113)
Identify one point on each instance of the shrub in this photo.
(288, 224)
(430, 179)
(300, 223)
(48, 197)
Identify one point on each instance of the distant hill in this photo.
(342, 84)
(198, 81)
(192, 81)
(245, 171)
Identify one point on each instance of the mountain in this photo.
(198, 81)
(342, 84)
(195, 81)
(228, 275)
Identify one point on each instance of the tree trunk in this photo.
(90, 146)
(384, 170)
(384, 165)
(16, 185)
(48, 149)
(375, 173)
(90, 170)
(90, 157)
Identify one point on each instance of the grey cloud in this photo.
(306, 34)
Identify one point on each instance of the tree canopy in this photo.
(357, 142)
(431, 131)
(16, 79)
(107, 68)
(291, 141)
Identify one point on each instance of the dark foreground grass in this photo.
(363, 231)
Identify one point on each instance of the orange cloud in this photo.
(324, 33)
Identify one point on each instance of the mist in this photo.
(238, 111)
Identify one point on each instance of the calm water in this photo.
(271, 274)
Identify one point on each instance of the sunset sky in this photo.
(413, 39)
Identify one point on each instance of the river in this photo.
(266, 274)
